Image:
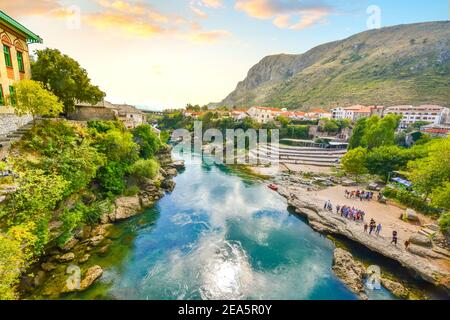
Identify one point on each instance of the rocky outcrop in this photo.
(326, 222)
(92, 274)
(396, 288)
(67, 257)
(350, 271)
(421, 240)
(125, 207)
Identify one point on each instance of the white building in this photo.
(352, 113)
(427, 113)
(318, 114)
(264, 114)
(239, 115)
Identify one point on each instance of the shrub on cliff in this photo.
(147, 139)
(30, 97)
(144, 169)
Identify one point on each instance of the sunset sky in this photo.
(166, 53)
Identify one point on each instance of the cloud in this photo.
(129, 17)
(20, 8)
(126, 23)
(284, 13)
(197, 6)
(209, 36)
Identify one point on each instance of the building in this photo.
(264, 114)
(294, 115)
(316, 114)
(353, 113)
(129, 115)
(425, 113)
(14, 66)
(239, 115)
(104, 111)
(439, 130)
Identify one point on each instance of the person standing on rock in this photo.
(366, 226)
(372, 226)
(394, 238)
(379, 228)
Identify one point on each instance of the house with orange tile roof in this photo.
(239, 115)
(353, 113)
(264, 114)
(318, 114)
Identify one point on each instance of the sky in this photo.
(161, 54)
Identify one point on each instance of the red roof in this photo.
(319, 111)
(269, 109)
(437, 131)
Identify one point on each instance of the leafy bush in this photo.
(11, 264)
(144, 169)
(96, 210)
(131, 191)
(111, 178)
(147, 139)
(105, 126)
(71, 219)
(36, 197)
(444, 222)
(409, 199)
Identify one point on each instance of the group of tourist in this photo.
(357, 215)
(359, 194)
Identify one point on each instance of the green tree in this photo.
(358, 133)
(64, 77)
(380, 132)
(386, 159)
(284, 121)
(118, 146)
(111, 178)
(440, 197)
(30, 97)
(354, 162)
(432, 171)
(147, 139)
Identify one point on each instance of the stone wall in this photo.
(92, 113)
(11, 122)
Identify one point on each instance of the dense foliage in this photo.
(64, 77)
(426, 164)
(67, 174)
(30, 97)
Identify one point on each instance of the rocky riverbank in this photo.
(67, 268)
(422, 259)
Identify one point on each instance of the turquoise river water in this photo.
(219, 235)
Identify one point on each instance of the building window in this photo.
(2, 100)
(20, 61)
(7, 53)
(11, 95)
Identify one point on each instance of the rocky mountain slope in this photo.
(405, 64)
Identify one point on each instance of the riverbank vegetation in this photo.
(219, 119)
(66, 175)
(426, 165)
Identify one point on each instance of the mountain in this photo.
(405, 64)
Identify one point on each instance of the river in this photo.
(219, 235)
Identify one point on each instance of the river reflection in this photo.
(221, 236)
